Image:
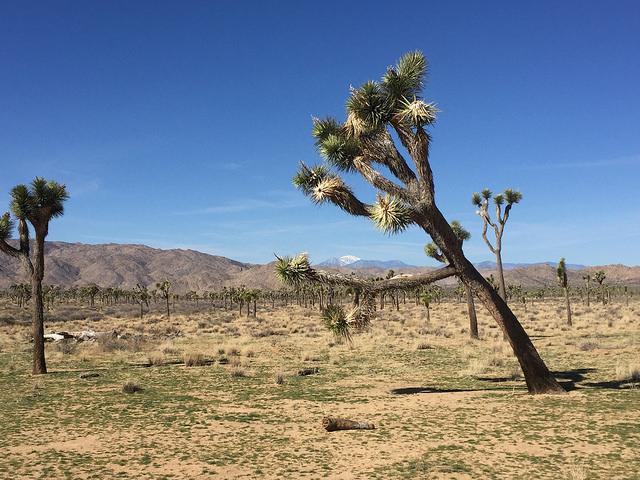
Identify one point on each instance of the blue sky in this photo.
(180, 124)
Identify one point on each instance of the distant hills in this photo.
(358, 263)
(125, 265)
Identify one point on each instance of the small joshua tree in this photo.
(426, 297)
(142, 296)
(376, 112)
(587, 281)
(481, 200)
(561, 272)
(432, 251)
(164, 288)
(36, 204)
(599, 277)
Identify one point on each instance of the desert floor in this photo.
(444, 406)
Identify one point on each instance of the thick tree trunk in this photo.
(501, 286)
(39, 363)
(566, 294)
(473, 319)
(537, 376)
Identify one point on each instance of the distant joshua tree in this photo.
(378, 112)
(432, 251)
(142, 296)
(164, 288)
(599, 277)
(426, 297)
(587, 281)
(561, 272)
(481, 200)
(37, 204)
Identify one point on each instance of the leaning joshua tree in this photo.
(431, 249)
(376, 112)
(36, 204)
(481, 200)
(561, 272)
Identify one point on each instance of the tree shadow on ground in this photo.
(567, 378)
(416, 390)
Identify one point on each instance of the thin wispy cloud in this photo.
(247, 205)
(626, 161)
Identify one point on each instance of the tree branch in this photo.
(375, 178)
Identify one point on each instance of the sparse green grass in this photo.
(435, 418)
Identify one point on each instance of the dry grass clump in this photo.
(194, 359)
(423, 346)
(628, 372)
(279, 378)
(589, 346)
(131, 386)
(67, 346)
(110, 343)
(238, 372)
(156, 358)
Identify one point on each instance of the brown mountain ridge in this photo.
(125, 265)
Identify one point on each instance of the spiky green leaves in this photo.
(460, 232)
(323, 127)
(476, 199)
(339, 151)
(308, 178)
(405, 80)
(512, 196)
(337, 321)
(390, 214)
(369, 104)
(431, 250)
(43, 195)
(294, 271)
(417, 112)
(6, 227)
(561, 272)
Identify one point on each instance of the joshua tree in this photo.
(587, 281)
(481, 200)
(561, 272)
(164, 288)
(142, 296)
(375, 112)
(426, 297)
(432, 251)
(37, 204)
(599, 277)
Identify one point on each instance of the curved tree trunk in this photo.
(473, 319)
(502, 287)
(537, 376)
(566, 294)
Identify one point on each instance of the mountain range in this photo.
(125, 265)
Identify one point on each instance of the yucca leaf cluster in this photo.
(363, 140)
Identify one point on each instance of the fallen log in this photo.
(332, 424)
(308, 371)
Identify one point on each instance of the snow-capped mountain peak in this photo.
(348, 259)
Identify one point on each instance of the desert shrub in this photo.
(233, 351)
(279, 378)
(110, 342)
(423, 346)
(588, 346)
(238, 372)
(156, 358)
(194, 359)
(66, 346)
(131, 387)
